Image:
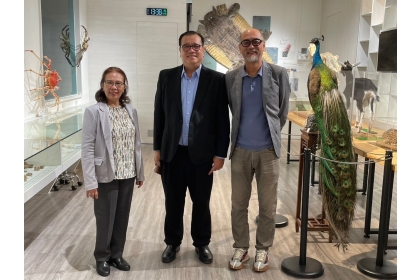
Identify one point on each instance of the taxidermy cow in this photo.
(365, 94)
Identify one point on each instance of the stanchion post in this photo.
(305, 207)
(378, 268)
(289, 138)
(303, 267)
(369, 197)
(388, 211)
(383, 228)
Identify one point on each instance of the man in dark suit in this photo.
(191, 139)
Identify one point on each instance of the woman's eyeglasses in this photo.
(111, 83)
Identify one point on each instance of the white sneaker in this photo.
(261, 261)
(239, 257)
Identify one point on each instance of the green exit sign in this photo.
(156, 11)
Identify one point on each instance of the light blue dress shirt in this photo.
(188, 92)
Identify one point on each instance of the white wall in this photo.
(123, 35)
(32, 41)
(84, 65)
(340, 26)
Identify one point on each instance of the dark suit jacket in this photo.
(209, 124)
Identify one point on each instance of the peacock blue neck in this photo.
(317, 57)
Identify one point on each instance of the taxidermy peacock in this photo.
(337, 178)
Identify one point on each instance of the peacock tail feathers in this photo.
(337, 176)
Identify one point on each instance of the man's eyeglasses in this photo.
(111, 83)
(195, 47)
(254, 42)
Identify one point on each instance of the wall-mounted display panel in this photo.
(387, 51)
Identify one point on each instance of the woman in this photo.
(111, 162)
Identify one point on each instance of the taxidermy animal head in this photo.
(347, 66)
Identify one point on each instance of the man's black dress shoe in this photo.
(170, 253)
(102, 268)
(120, 263)
(204, 254)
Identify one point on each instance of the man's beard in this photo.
(253, 58)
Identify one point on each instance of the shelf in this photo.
(366, 7)
(389, 29)
(378, 12)
(376, 16)
(41, 178)
(51, 145)
(299, 99)
(390, 19)
(390, 3)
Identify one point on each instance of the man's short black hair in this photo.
(189, 33)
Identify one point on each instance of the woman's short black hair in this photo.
(100, 94)
(189, 33)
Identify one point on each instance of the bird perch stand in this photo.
(309, 140)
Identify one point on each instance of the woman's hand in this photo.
(92, 193)
(139, 184)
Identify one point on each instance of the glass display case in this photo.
(374, 105)
(51, 145)
(298, 101)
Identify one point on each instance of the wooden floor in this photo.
(60, 232)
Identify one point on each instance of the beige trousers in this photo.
(266, 167)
